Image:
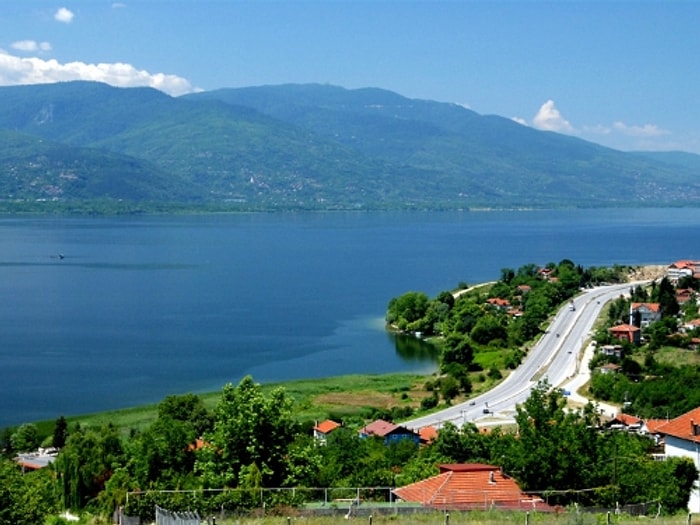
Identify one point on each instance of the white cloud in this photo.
(520, 120)
(647, 130)
(118, 5)
(31, 45)
(64, 15)
(15, 70)
(548, 118)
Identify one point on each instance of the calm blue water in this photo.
(144, 307)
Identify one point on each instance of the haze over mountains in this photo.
(81, 144)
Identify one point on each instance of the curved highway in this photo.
(554, 356)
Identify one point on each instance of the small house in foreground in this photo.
(470, 486)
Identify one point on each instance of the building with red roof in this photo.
(684, 268)
(682, 439)
(470, 486)
(427, 435)
(626, 332)
(646, 312)
(390, 432)
(322, 429)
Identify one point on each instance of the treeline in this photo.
(252, 440)
(487, 328)
(646, 386)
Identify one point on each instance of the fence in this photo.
(168, 517)
(187, 505)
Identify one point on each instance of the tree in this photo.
(187, 408)
(60, 433)
(666, 297)
(406, 309)
(489, 328)
(250, 428)
(25, 438)
(449, 388)
(163, 453)
(86, 463)
(549, 436)
(25, 499)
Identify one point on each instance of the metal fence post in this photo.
(447, 518)
(527, 518)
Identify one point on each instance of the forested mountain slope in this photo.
(308, 147)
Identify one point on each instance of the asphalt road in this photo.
(555, 357)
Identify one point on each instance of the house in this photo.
(610, 368)
(545, 273)
(36, 460)
(625, 422)
(390, 432)
(682, 439)
(470, 486)
(501, 304)
(646, 312)
(322, 429)
(651, 428)
(691, 325)
(611, 350)
(680, 269)
(683, 295)
(626, 332)
(427, 435)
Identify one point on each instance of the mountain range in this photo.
(87, 145)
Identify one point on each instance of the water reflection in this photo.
(410, 348)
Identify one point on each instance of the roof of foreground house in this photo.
(470, 486)
(685, 426)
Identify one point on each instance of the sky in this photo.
(623, 73)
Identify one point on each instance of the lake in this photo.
(103, 313)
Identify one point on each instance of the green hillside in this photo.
(306, 147)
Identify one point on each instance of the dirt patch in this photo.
(371, 399)
(643, 273)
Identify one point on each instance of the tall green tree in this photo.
(556, 448)
(250, 428)
(60, 433)
(86, 463)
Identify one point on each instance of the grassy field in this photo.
(314, 399)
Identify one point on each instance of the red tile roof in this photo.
(497, 301)
(686, 426)
(653, 307)
(469, 486)
(653, 425)
(324, 427)
(623, 328)
(379, 428)
(626, 419)
(428, 434)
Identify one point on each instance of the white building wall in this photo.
(681, 448)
